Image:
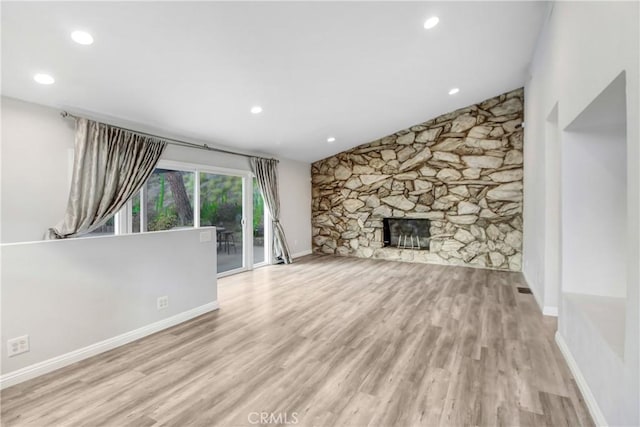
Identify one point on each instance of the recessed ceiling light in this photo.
(256, 109)
(44, 79)
(331, 139)
(82, 37)
(431, 22)
(454, 91)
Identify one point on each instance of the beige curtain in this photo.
(266, 172)
(110, 165)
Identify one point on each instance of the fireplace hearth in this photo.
(406, 233)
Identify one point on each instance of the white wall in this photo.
(594, 213)
(71, 294)
(295, 204)
(582, 49)
(35, 144)
(35, 167)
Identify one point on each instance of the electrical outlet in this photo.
(163, 302)
(19, 345)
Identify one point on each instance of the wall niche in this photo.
(462, 171)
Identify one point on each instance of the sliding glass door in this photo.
(183, 195)
(221, 205)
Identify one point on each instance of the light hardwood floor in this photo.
(328, 341)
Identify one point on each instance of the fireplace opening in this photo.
(405, 233)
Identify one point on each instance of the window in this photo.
(106, 229)
(221, 205)
(178, 195)
(259, 213)
(169, 200)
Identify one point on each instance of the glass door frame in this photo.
(124, 222)
(268, 257)
(247, 209)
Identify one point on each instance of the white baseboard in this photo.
(300, 254)
(46, 366)
(550, 311)
(587, 395)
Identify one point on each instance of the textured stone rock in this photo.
(406, 139)
(405, 153)
(416, 160)
(397, 186)
(514, 239)
(471, 173)
(491, 144)
(497, 259)
(382, 211)
(426, 199)
(363, 169)
(421, 185)
(464, 236)
(462, 171)
(376, 163)
(373, 201)
(428, 171)
(399, 202)
(506, 192)
(440, 190)
(352, 205)
(510, 106)
(353, 183)
(515, 262)
(428, 135)
(321, 179)
(494, 233)
(342, 251)
(449, 144)
(466, 208)
(371, 179)
(460, 190)
(488, 214)
(388, 155)
(445, 156)
(516, 140)
(479, 132)
(510, 209)
(513, 157)
(427, 215)
(478, 232)
(482, 162)
(511, 125)
(407, 176)
(446, 175)
(354, 243)
(342, 172)
(463, 123)
(507, 175)
(451, 245)
(462, 219)
(496, 132)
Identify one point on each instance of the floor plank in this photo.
(328, 341)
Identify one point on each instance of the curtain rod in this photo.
(177, 142)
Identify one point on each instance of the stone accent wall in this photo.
(462, 170)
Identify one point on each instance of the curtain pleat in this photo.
(266, 173)
(110, 165)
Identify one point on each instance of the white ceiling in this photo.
(354, 70)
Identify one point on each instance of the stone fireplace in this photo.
(406, 233)
(460, 174)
